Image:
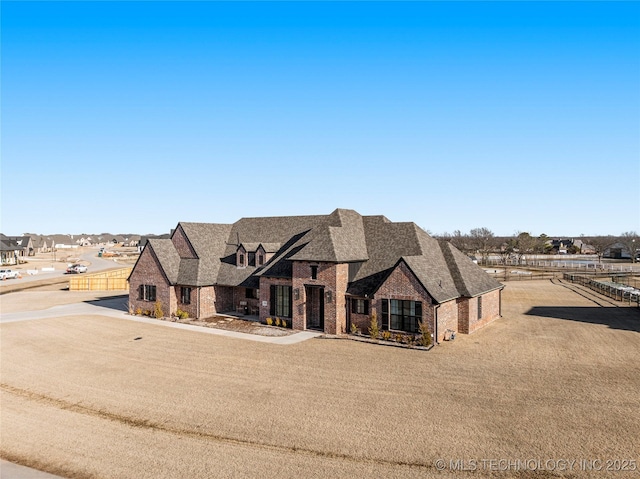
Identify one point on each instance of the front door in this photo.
(315, 307)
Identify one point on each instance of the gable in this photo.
(148, 269)
(182, 244)
(402, 283)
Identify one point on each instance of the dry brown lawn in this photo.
(82, 397)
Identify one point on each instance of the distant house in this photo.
(142, 242)
(9, 251)
(60, 241)
(617, 251)
(325, 272)
(23, 245)
(41, 244)
(562, 246)
(132, 240)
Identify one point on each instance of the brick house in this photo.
(323, 272)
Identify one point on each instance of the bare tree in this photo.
(600, 244)
(525, 244)
(631, 242)
(460, 241)
(482, 241)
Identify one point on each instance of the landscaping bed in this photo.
(231, 323)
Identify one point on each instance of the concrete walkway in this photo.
(9, 470)
(116, 308)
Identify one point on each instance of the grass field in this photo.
(557, 378)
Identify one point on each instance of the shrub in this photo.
(277, 321)
(386, 335)
(269, 321)
(354, 328)
(284, 323)
(158, 313)
(182, 314)
(373, 328)
(147, 312)
(138, 311)
(425, 335)
(398, 337)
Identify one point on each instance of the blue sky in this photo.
(132, 116)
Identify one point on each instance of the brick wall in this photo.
(265, 296)
(362, 321)
(403, 284)
(222, 299)
(463, 315)
(448, 317)
(192, 309)
(490, 310)
(148, 271)
(179, 240)
(333, 278)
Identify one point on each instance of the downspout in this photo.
(435, 324)
(198, 305)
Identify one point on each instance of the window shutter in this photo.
(272, 301)
(419, 310)
(141, 291)
(366, 306)
(290, 303)
(385, 314)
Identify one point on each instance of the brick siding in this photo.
(490, 310)
(148, 271)
(448, 317)
(181, 243)
(403, 284)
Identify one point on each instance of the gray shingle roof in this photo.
(168, 257)
(372, 243)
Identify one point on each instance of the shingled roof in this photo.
(373, 244)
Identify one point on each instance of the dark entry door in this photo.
(315, 307)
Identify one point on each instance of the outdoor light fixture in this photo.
(296, 294)
(328, 296)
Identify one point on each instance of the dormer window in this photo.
(241, 257)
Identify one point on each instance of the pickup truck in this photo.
(8, 274)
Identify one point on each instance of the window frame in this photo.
(360, 306)
(402, 315)
(281, 304)
(185, 293)
(148, 292)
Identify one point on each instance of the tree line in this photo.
(483, 242)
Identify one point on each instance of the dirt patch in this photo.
(555, 379)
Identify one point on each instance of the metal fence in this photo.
(611, 289)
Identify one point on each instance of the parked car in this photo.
(77, 268)
(8, 274)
